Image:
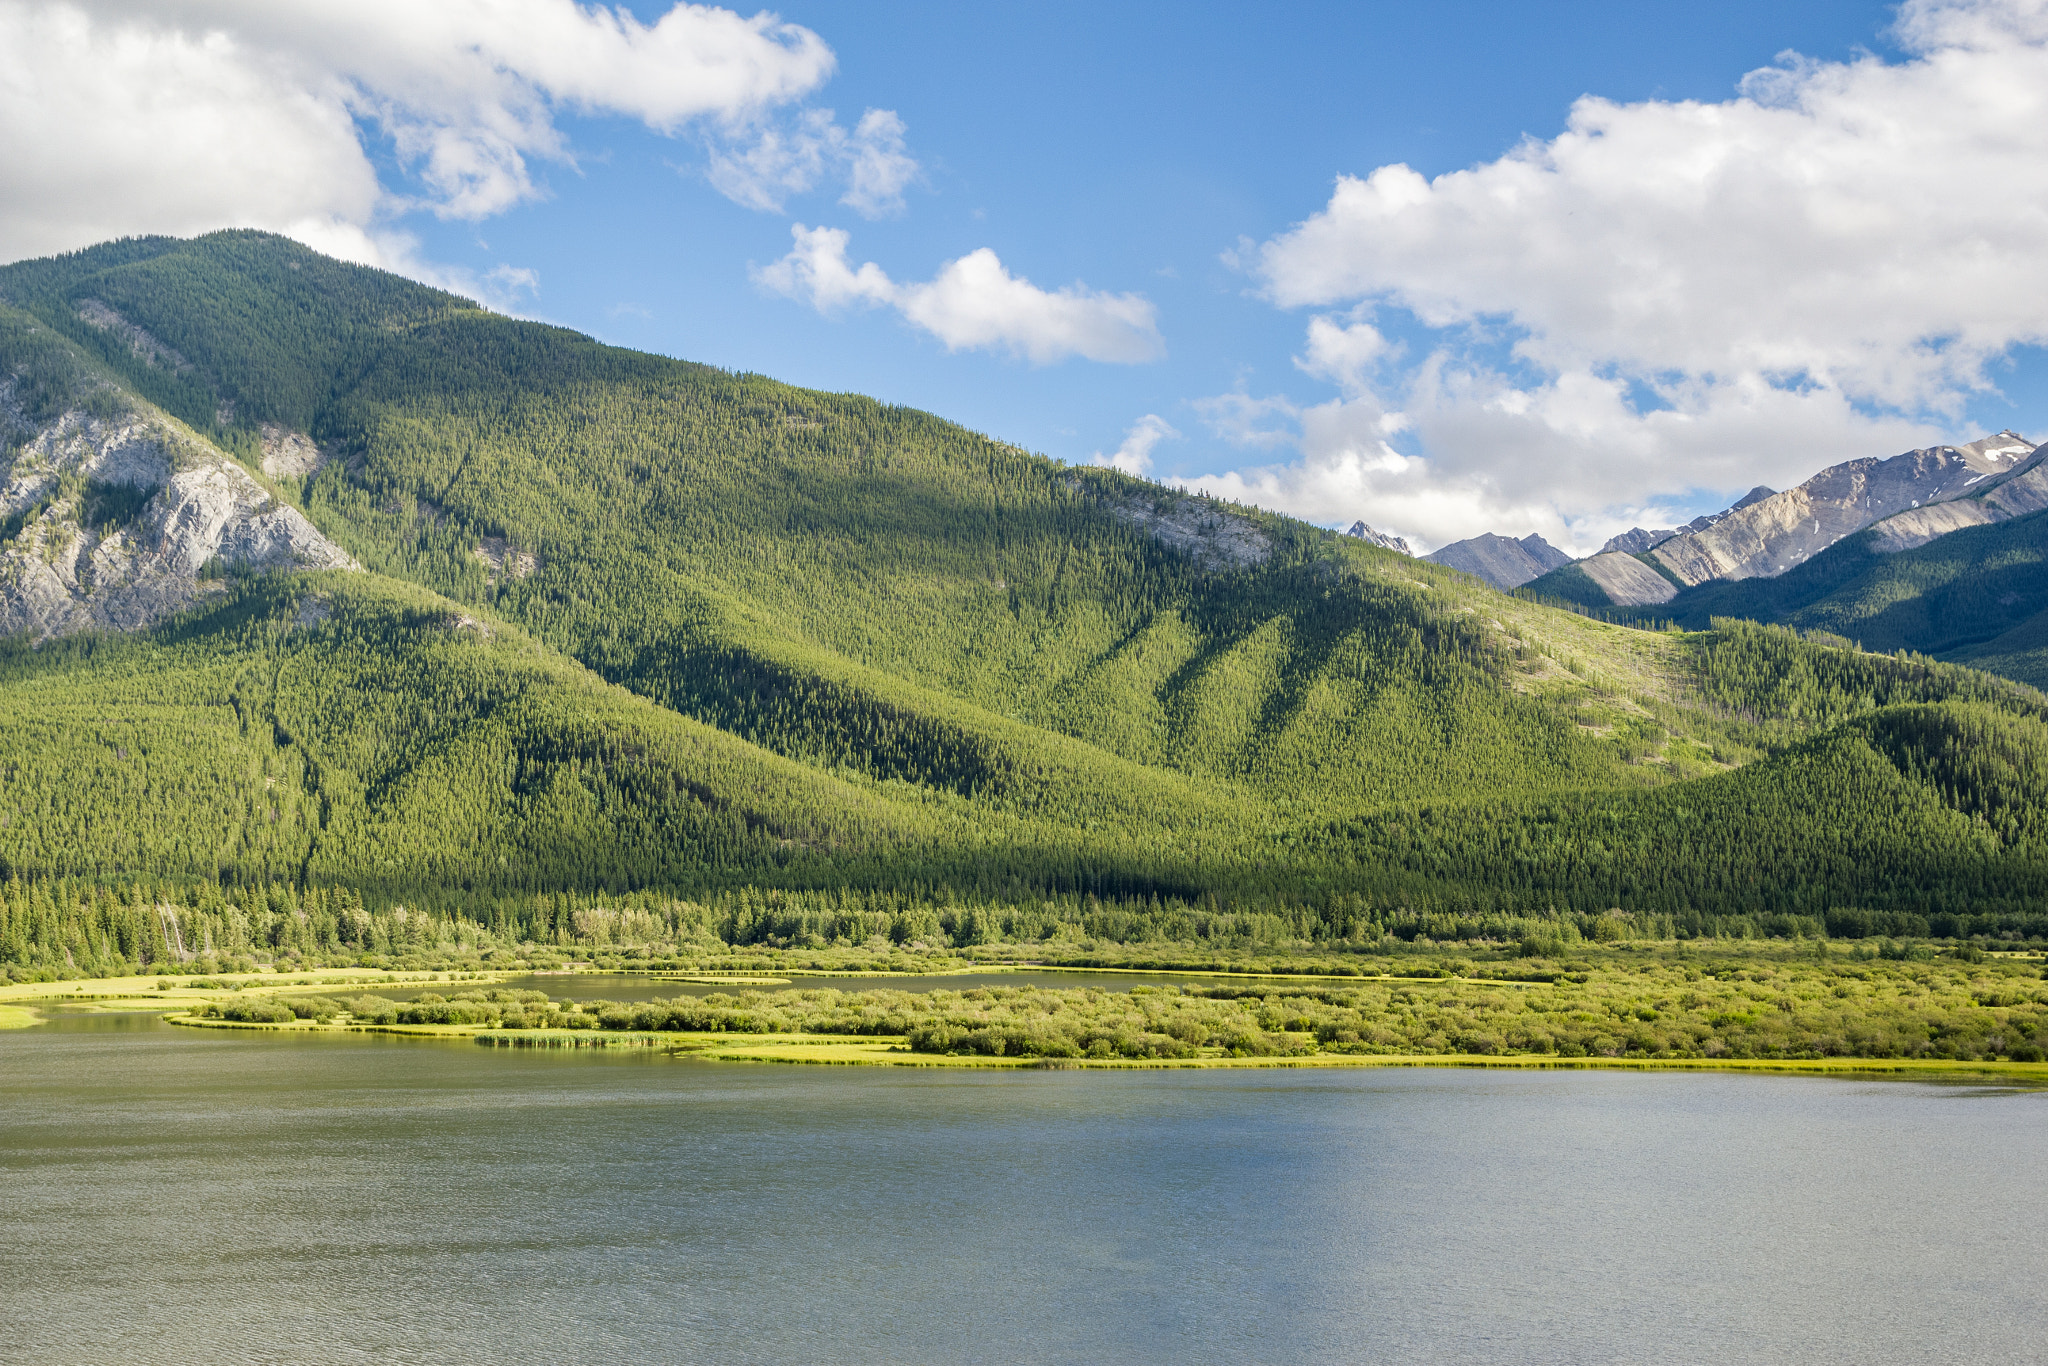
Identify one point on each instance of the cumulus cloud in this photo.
(1681, 296)
(774, 162)
(178, 116)
(973, 303)
(1344, 352)
(1135, 455)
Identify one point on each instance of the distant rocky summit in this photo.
(1911, 498)
(1381, 539)
(1772, 535)
(1501, 562)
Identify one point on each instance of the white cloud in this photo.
(972, 303)
(1692, 296)
(881, 170)
(774, 161)
(1135, 455)
(1343, 352)
(179, 116)
(1242, 420)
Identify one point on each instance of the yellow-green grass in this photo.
(1279, 978)
(483, 1033)
(890, 1051)
(136, 993)
(18, 1017)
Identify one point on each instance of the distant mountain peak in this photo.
(1384, 540)
(1501, 560)
(1905, 500)
(1764, 538)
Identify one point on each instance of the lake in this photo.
(191, 1196)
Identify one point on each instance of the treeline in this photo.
(69, 928)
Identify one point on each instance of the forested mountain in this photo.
(634, 626)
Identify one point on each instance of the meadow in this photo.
(1645, 1003)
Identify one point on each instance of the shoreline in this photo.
(888, 1051)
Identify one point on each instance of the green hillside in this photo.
(641, 628)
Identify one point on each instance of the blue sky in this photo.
(1170, 152)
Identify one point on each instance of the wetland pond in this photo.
(177, 1195)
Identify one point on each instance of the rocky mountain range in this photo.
(1636, 540)
(1764, 536)
(1908, 499)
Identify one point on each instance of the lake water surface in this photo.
(189, 1196)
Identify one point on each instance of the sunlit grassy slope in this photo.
(727, 629)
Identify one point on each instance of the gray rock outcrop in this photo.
(1204, 530)
(107, 521)
(288, 454)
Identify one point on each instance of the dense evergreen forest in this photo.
(647, 644)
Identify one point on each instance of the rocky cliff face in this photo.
(1786, 529)
(2000, 498)
(110, 513)
(1215, 538)
(1501, 562)
(1636, 540)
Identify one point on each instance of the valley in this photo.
(498, 634)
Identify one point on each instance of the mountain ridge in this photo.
(1034, 680)
(1501, 561)
(1763, 537)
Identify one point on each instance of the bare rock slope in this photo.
(1627, 581)
(109, 513)
(1502, 562)
(1786, 529)
(1636, 540)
